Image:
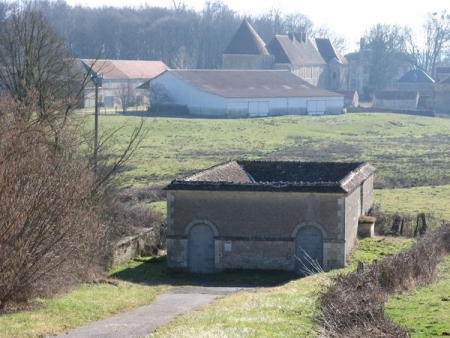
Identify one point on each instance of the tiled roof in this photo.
(250, 83)
(246, 41)
(286, 50)
(287, 176)
(396, 95)
(126, 69)
(328, 52)
(416, 75)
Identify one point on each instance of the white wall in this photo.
(199, 102)
(204, 103)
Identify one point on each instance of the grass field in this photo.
(424, 310)
(412, 156)
(408, 151)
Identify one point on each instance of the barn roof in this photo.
(246, 41)
(285, 176)
(416, 75)
(250, 83)
(287, 50)
(126, 69)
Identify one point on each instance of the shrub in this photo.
(50, 231)
(353, 305)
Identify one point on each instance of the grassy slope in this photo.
(408, 151)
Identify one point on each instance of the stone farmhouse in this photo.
(314, 60)
(275, 215)
(246, 93)
(119, 76)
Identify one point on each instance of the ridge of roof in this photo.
(126, 69)
(246, 41)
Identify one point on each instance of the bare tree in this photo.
(51, 234)
(437, 39)
(34, 61)
(158, 94)
(387, 46)
(52, 224)
(125, 95)
(297, 22)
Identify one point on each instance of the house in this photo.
(395, 99)
(314, 60)
(266, 215)
(418, 80)
(120, 81)
(246, 93)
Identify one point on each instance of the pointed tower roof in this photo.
(246, 41)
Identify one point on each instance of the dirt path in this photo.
(141, 321)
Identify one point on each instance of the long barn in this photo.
(246, 93)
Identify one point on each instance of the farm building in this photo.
(396, 99)
(418, 80)
(120, 81)
(266, 215)
(315, 60)
(246, 93)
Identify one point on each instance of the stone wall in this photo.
(142, 244)
(256, 230)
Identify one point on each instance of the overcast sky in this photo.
(349, 18)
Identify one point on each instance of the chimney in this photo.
(299, 37)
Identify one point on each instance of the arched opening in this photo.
(309, 250)
(201, 249)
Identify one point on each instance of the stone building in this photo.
(314, 60)
(266, 215)
(418, 80)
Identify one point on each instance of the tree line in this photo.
(178, 36)
(184, 38)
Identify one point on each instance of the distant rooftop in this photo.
(277, 176)
(246, 41)
(249, 83)
(416, 75)
(126, 69)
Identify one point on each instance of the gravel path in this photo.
(141, 321)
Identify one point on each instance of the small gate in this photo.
(201, 249)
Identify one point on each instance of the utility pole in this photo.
(97, 79)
